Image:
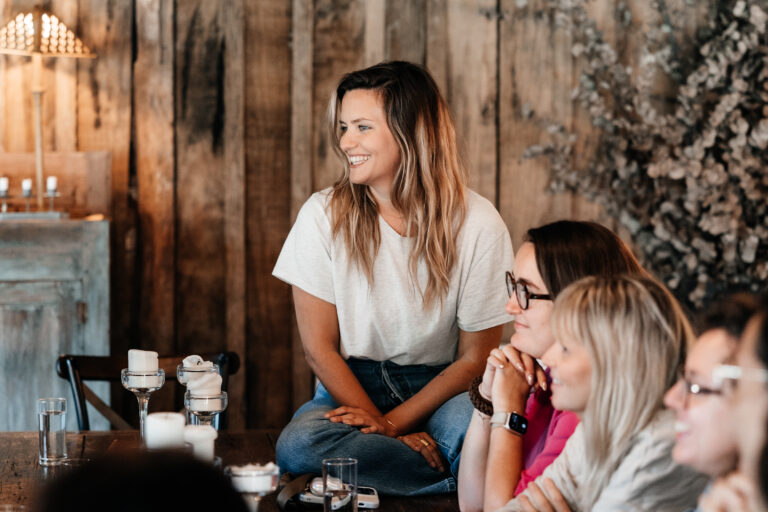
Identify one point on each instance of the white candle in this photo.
(3, 184)
(26, 185)
(165, 430)
(208, 384)
(50, 183)
(142, 360)
(255, 478)
(202, 438)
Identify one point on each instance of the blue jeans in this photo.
(384, 463)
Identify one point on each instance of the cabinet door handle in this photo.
(82, 311)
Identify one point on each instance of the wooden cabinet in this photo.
(54, 299)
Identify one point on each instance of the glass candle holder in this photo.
(142, 384)
(205, 407)
(254, 482)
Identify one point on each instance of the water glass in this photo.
(52, 421)
(340, 485)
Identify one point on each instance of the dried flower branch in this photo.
(687, 180)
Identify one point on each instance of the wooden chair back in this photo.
(76, 369)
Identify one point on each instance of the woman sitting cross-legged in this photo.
(397, 282)
(619, 344)
(498, 463)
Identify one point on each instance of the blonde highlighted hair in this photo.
(636, 335)
(429, 188)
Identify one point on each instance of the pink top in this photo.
(548, 430)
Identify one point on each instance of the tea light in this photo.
(254, 477)
(3, 184)
(165, 430)
(26, 185)
(202, 438)
(50, 184)
(208, 384)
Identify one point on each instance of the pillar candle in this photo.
(165, 430)
(26, 185)
(3, 184)
(202, 438)
(142, 360)
(50, 183)
(208, 384)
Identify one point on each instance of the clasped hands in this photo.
(509, 377)
(368, 423)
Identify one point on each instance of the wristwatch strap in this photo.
(512, 421)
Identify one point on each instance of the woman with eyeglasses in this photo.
(619, 344)
(703, 441)
(746, 387)
(500, 456)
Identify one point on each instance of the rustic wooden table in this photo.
(20, 474)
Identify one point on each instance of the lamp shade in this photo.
(41, 33)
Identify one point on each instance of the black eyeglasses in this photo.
(520, 290)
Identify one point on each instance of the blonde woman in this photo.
(619, 344)
(397, 277)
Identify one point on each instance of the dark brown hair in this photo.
(568, 250)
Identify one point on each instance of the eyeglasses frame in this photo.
(523, 301)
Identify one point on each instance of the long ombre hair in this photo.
(429, 186)
(636, 335)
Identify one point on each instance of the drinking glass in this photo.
(51, 422)
(340, 485)
(142, 384)
(253, 482)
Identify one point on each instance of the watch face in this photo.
(518, 423)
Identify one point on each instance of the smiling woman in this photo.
(397, 281)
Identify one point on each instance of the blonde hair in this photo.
(429, 187)
(636, 335)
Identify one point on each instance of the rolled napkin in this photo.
(142, 360)
(202, 438)
(255, 477)
(165, 430)
(207, 384)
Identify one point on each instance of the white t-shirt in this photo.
(387, 322)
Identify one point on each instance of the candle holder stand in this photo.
(253, 484)
(142, 384)
(205, 407)
(51, 195)
(184, 374)
(4, 203)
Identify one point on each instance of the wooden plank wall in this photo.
(214, 112)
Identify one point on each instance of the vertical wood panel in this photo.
(461, 51)
(200, 181)
(406, 27)
(62, 86)
(103, 121)
(268, 129)
(535, 75)
(302, 24)
(338, 49)
(155, 175)
(233, 17)
(375, 31)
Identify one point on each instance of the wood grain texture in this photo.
(155, 162)
(462, 54)
(84, 180)
(268, 155)
(301, 161)
(406, 30)
(233, 16)
(47, 269)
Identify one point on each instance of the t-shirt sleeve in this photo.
(562, 426)
(305, 260)
(484, 293)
